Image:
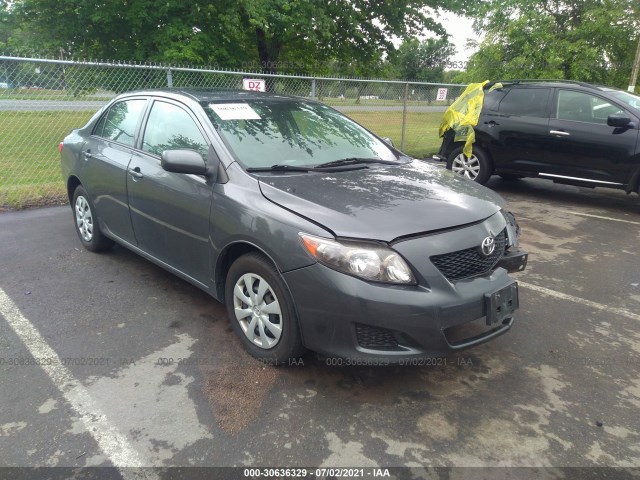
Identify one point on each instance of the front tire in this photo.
(87, 226)
(477, 168)
(261, 311)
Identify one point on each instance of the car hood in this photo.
(382, 202)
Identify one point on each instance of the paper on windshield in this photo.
(234, 111)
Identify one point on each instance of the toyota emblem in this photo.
(488, 246)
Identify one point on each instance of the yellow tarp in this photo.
(463, 115)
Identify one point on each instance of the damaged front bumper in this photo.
(514, 260)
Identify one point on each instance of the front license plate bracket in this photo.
(501, 304)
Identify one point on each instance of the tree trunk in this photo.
(269, 52)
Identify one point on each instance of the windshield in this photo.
(267, 132)
(628, 99)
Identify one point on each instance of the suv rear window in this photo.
(527, 102)
(492, 98)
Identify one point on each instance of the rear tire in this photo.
(477, 168)
(87, 226)
(261, 310)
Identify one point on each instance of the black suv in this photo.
(568, 132)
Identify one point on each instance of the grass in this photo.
(30, 162)
(421, 130)
(45, 94)
(351, 101)
(29, 158)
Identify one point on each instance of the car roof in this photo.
(203, 95)
(552, 83)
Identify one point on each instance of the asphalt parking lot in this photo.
(149, 372)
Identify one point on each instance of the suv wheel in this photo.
(261, 310)
(477, 168)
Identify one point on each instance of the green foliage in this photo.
(587, 40)
(453, 76)
(423, 61)
(302, 36)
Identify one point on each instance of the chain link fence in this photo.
(41, 101)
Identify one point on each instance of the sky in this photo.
(460, 29)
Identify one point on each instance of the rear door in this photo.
(170, 211)
(513, 125)
(580, 144)
(106, 157)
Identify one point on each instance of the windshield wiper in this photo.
(344, 164)
(355, 161)
(279, 168)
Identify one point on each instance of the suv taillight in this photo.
(60, 145)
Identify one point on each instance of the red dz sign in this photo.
(253, 85)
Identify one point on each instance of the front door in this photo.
(581, 145)
(170, 211)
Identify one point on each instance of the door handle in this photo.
(135, 172)
(87, 154)
(491, 123)
(559, 133)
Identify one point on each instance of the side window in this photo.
(170, 127)
(119, 122)
(492, 99)
(527, 102)
(583, 107)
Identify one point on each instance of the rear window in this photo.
(120, 121)
(492, 99)
(528, 102)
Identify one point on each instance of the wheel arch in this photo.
(73, 182)
(477, 144)
(229, 254)
(634, 183)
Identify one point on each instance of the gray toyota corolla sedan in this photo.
(315, 233)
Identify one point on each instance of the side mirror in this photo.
(183, 161)
(388, 141)
(618, 121)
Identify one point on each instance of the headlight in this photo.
(376, 263)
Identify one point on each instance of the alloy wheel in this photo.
(467, 167)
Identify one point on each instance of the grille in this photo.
(469, 262)
(376, 338)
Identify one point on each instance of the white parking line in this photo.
(112, 442)
(602, 218)
(563, 296)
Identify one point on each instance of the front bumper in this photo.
(451, 308)
(514, 260)
(343, 316)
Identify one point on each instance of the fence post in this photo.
(313, 88)
(169, 78)
(404, 114)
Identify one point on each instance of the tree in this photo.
(241, 33)
(138, 30)
(588, 40)
(423, 61)
(340, 29)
